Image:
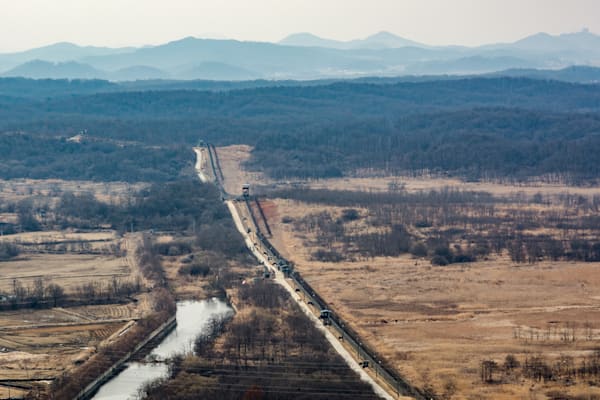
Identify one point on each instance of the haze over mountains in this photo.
(299, 56)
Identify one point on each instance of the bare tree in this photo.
(56, 293)
(488, 367)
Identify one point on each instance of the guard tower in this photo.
(246, 190)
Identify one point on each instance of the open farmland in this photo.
(37, 346)
(68, 258)
(57, 276)
(70, 270)
(40, 345)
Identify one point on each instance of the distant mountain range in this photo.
(300, 56)
(381, 40)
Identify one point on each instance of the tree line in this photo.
(25, 155)
(181, 205)
(449, 226)
(539, 368)
(494, 128)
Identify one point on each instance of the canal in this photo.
(192, 320)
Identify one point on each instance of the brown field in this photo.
(39, 345)
(437, 324)
(231, 159)
(382, 184)
(60, 236)
(97, 242)
(67, 270)
(52, 189)
(43, 344)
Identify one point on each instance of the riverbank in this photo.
(81, 381)
(194, 319)
(117, 367)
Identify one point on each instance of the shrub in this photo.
(418, 250)
(350, 214)
(175, 248)
(8, 251)
(327, 255)
(439, 260)
(196, 269)
(463, 258)
(423, 224)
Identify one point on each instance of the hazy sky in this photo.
(30, 23)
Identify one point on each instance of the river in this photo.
(192, 319)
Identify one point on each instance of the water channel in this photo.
(192, 319)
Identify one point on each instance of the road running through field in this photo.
(280, 279)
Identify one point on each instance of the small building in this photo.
(246, 190)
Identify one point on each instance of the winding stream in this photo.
(192, 319)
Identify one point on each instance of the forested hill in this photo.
(475, 127)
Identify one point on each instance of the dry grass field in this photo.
(437, 324)
(52, 189)
(412, 184)
(98, 242)
(60, 236)
(67, 270)
(232, 159)
(39, 345)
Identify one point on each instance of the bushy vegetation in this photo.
(8, 251)
(25, 155)
(184, 205)
(539, 368)
(450, 226)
